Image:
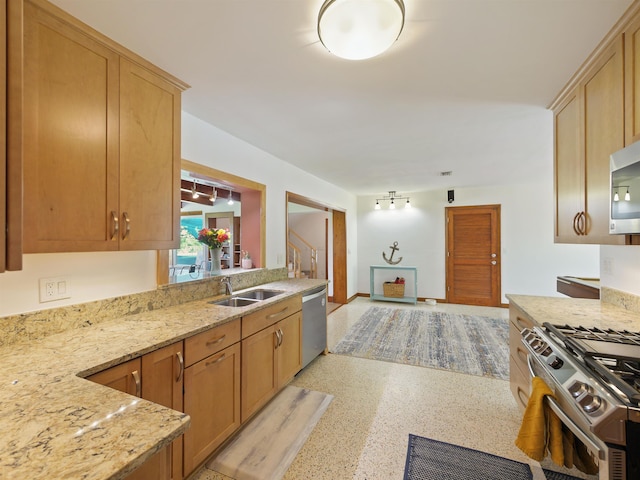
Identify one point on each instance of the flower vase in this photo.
(215, 254)
(246, 263)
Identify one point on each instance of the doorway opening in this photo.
(316, 244)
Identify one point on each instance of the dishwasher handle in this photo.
(306, 298)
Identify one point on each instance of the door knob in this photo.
(493, 262)
(493, 255)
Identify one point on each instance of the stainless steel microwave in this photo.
(624, 200)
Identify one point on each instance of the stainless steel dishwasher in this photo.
(314, 324)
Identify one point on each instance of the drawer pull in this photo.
(217, 360)
(181, 364)
(216, 341)
(269, 317)
(522, 354)
(523, 397)
(522, 323)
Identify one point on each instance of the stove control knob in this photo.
(578, 388)
(539, 345)
(590, 403)
(547, 351)
(555, 362)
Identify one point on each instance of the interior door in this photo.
(473, 255)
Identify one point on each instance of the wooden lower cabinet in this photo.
(162, 383)
(270, 358)
(212, 400)
(519, 377)
(126, 378)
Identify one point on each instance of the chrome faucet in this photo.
(227, 284)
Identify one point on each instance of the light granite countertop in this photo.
(576, 312)
(55, 424)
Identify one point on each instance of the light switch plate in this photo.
(54, 288)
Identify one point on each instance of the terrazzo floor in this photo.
(363, 434)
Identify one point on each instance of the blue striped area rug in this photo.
(463, 343)
(433, 460)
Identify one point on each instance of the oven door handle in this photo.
(577, 431)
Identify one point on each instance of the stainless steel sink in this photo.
(235, 302)
(259, 294)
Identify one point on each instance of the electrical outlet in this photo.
(54, 288)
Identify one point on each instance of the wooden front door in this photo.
(473, 255)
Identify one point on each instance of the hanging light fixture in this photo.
(230, 202)
(194, 192)
(616, 196)
(214, 195)
(360, 29)
(391, 198)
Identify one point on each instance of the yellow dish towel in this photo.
(541, 429)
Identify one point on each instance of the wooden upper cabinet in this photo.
(3, 137)
(569, 168)
(149, 159)
(101, 141)
(632, 81)
(589, 127)
(11, 136)
(604, 134)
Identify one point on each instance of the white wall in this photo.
(530, 259)
(100, 275)
(620, 267)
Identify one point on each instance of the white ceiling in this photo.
(464, 89)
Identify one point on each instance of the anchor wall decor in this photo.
(390, 260)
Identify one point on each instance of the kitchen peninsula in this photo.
(57, 424)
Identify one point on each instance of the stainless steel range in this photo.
(595, 377)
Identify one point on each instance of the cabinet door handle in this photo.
(217, 360)
(269, 317)
(281, 336)
(127, 225)
(582, 223)
(136, 380)
(115, 222)
(276, 339)
(216, 341)
(575, 223)
(181, 365)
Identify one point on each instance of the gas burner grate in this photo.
(608, 335)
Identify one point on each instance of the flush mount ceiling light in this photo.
(391, 198)
(359, 29)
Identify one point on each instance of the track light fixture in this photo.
(194, 192)
(230, 202)
(391, 198)
(214, 195)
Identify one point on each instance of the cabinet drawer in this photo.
(520, 383)
(202, 345)
(516, 348)
(254, 322)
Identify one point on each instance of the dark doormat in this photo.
(433, 460)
